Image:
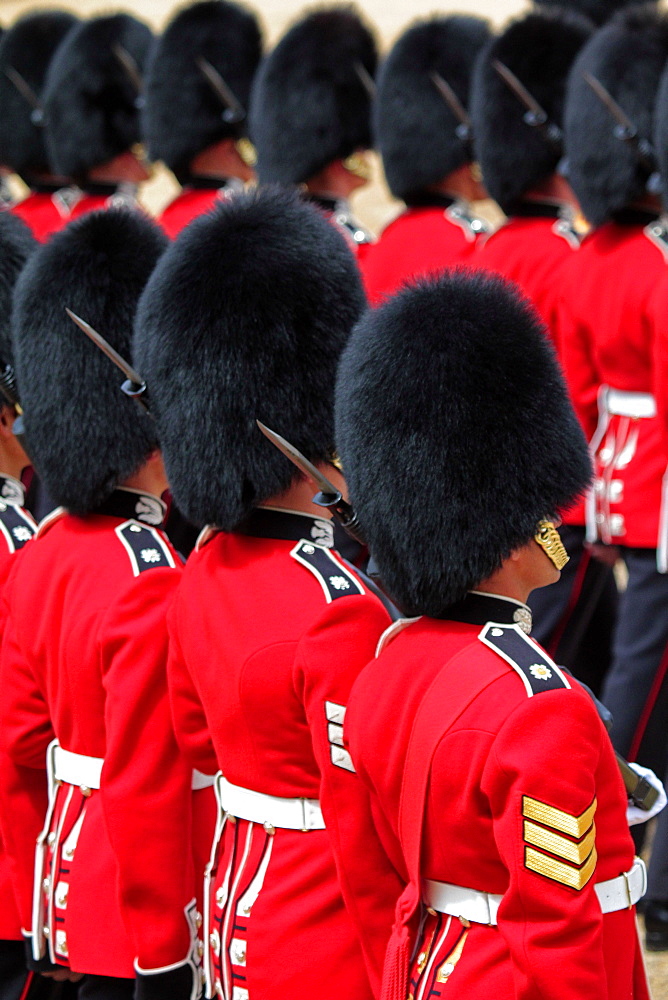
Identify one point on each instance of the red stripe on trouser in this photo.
(649, 706)
(576, 593)
(26, 989)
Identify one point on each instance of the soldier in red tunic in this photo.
(25, 53)
(521, 155)
(423, 134)
(613, 350)
(197, 93)
(310, 113)
(229, 330)
(16, 528)
(92, 100)
(494, 782)
(85, 644)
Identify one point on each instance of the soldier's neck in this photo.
(150, 478)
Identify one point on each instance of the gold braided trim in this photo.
(556, 844)
(448, 967)
(574, 826)
(575, 878)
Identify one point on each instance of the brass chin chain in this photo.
(550, 542)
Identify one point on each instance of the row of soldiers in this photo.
(245, 317)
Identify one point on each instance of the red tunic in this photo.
(421, 241)
(84, 660)
(45, 212)
(267, 633)
(523, 800)
(193, 202)
(608, 331)
(338, 211)
(16, 529)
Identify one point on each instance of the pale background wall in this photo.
(373, 204)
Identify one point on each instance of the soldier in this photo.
(92, 99)
(25, 53)
(422, 131)
(84, 651)
(609, 342)
(251, 694)
(197, 93)
(521, 155)
(489, 769)
(17, 528)
(310, 113)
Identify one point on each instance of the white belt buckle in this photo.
(627, 883)
(490, 921)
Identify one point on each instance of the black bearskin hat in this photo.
(245, 318)
(310, 105)
(84, 436)
(539, 49)
(92, 93)
(598, 11)
(417, 135)
(16, 245)
(661, 134)
(183, 115)
(451, 464)
(27, 49)
(627, 56)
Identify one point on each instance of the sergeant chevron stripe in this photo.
(569, 859)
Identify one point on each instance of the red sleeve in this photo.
(329, 658)
(192, 730)
(146, 782)
(658, 312)
(25, 733)
(576, 351)
(541, 776)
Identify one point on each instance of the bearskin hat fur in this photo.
(451, 464)
(309, 104)
(91, 101)
(16, 245)
(84, 436)
(416, 133)
(245, 318)
(183, 115)
(27, 48)
(598, 11)
(627, 56)
(661, 134)
(539, 49)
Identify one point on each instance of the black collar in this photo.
(478, 609)
(428, 199)
(11, 490)
(328, 204)
(537, 210)
(94, 188)
(290, 525)
(202, 183)
(634, 216)
(134, 505)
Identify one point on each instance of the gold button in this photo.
(45, 931)
(85, 791)
(198, 920)
(51, 839)
(46, 884)
(431, 911)
(271, 830)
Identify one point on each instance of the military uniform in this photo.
(425, 239)
(196, 199)
(253, 700)
(17, 528)
(513, 876)
(47, 211)
(102, 835)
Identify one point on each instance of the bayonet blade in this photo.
(137, 383)
(24, 89)
(451, 99)
(223, 92)
(130, 66)
(366, 79)
(616, 112)
(296, 457)
(520, 91)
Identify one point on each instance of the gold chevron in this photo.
(557, 819)
(575, 878)
(577, 853)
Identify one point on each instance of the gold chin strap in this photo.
(336, 461)
(476, 172)
(246, 151)
(550, 542)
(359, 164)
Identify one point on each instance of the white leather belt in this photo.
(482, 907)
(270, 810)
(630, 404)
(78, 769)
